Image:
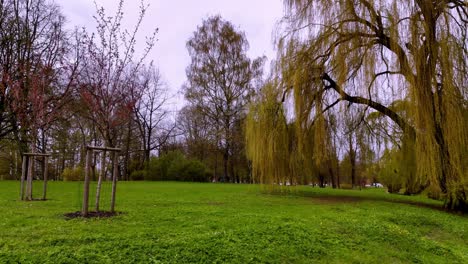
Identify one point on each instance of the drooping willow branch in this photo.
(408, 129)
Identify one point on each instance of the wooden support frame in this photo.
(89, 154)
(26, 175)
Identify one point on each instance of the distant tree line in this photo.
(63, 90)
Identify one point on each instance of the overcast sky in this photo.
(178, 19)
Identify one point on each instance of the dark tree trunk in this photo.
(226, 164)
(215, 172)
(321, 180)
(127, 152)
(352, 160)
(458, 200)
(338, 176)
(234, 178)
(332, 175)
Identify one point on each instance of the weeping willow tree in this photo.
(283, 152)
(268, 145)
(369, 53)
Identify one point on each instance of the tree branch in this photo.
(408, 129)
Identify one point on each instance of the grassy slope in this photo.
(182, 222)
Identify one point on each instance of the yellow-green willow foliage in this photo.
(405, 160)
(284, 153)
(268, 139)
(366, 51)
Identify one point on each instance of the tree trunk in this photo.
(215, 176)
(321, 180)
(127, 151)
(23, 175)
(84, 210)
(352, 160)
(231, 171)
(44, 190)
(93, 167)
(29, 184)
(225, 164)
(11, 166)
(114, 180)
(338, 177)
(457, 199)
(332, 175)
(63, 163)
(227, 148)
(99, 184)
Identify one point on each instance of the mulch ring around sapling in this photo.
(100, 214)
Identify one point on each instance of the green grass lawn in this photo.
(217, 223)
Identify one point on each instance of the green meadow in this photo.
(166, 222)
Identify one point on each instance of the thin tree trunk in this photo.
(225, 164)
(93, 167)
(231, 170)
(226, 150)
(215, 176)
(114, 180)
(84, 210)
(127, 151)
(44, 190)
(11, 164)
(330, 172)
(338, 176)
(63, 163)
(99, 184)
(23, 175)
(16, 165)
(29, 178)
(352, 160)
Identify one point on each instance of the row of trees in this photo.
(222, 83)
(62, 90)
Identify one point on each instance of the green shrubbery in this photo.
(138, 175)
(73, 174)
(390, 173)
(174, 166)
(398, 170)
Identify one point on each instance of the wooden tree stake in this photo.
(114, 180)
(101, 175)
(84, 210)
(29, 179)
(23, 175)
(44, 190)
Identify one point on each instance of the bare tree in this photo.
(106, 77)
(107, 71)
(151, 114)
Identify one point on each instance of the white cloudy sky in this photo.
(178, 19)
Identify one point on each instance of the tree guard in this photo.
(26, 175)
(89, 155)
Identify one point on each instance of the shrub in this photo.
(138, 175)
(73, 174)
(159, 166)
(174, 166)
(188, 170)
(346, 186)
(389, 173)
